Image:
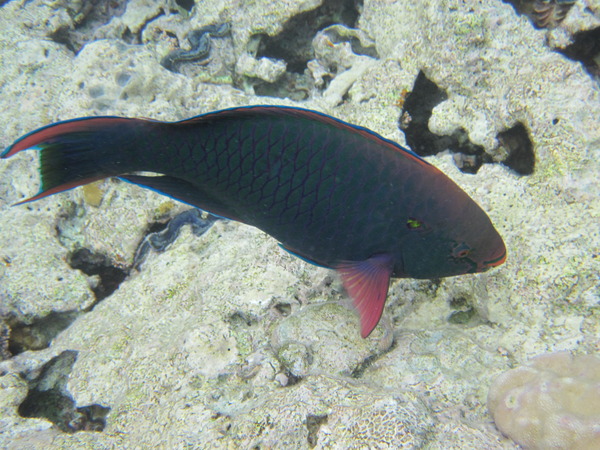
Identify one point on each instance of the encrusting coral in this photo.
(551, 402)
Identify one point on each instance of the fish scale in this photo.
(332, 193)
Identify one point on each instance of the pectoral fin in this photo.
(367, 282)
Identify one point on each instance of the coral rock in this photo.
(551, 402)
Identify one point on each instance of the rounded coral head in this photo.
(551, 402)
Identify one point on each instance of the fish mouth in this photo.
(495, 261)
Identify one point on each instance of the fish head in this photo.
(449, 235)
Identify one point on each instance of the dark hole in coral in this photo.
(40, 333)
(462, 317)
(4, 2)
(458, 302)
(542, 13)
(48, 398)
(294, 43)
(313, 425)
(128, 36)
(156, 227)
(292, 379)
(185, 4)
(5, 352)
(241, 318)
(468, 156)
(586, 49)
(98, 264)
(419, 105)
(360, 369)
(63, 36)
(284, 309)
(516, 141)
(417, 110)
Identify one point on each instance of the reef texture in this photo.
(224, 340)
(552, 402)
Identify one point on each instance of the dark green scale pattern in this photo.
(328, 190)
(328, 193)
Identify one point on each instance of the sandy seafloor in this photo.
(224, 340)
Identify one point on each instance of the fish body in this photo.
(335, 194)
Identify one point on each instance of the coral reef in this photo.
(543, 13)
(551, 402)
(223, 339)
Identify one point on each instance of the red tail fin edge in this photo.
(49, 132)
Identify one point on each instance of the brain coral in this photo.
(551, 402)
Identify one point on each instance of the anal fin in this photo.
(183, 191)
(303, 257)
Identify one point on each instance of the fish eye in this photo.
(461, 251)
(413, 224)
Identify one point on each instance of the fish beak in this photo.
(495, 261)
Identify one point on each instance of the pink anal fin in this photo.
(367, 282)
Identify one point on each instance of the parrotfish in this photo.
(332, 193)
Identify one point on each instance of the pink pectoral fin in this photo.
(367, 282)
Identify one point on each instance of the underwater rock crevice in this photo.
(463, 311)
(292, 49)
(110, 274)
(362, 367)
(468, 157)
(37, 334)
(517, 143)
(136, 37)
(48, 398)
(586, 50)
(186, 4)
(313, 425)
(414, 121)
(293, 44)
(18, 336)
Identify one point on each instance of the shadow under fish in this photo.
(334, 194)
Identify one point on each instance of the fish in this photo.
(334, 194)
